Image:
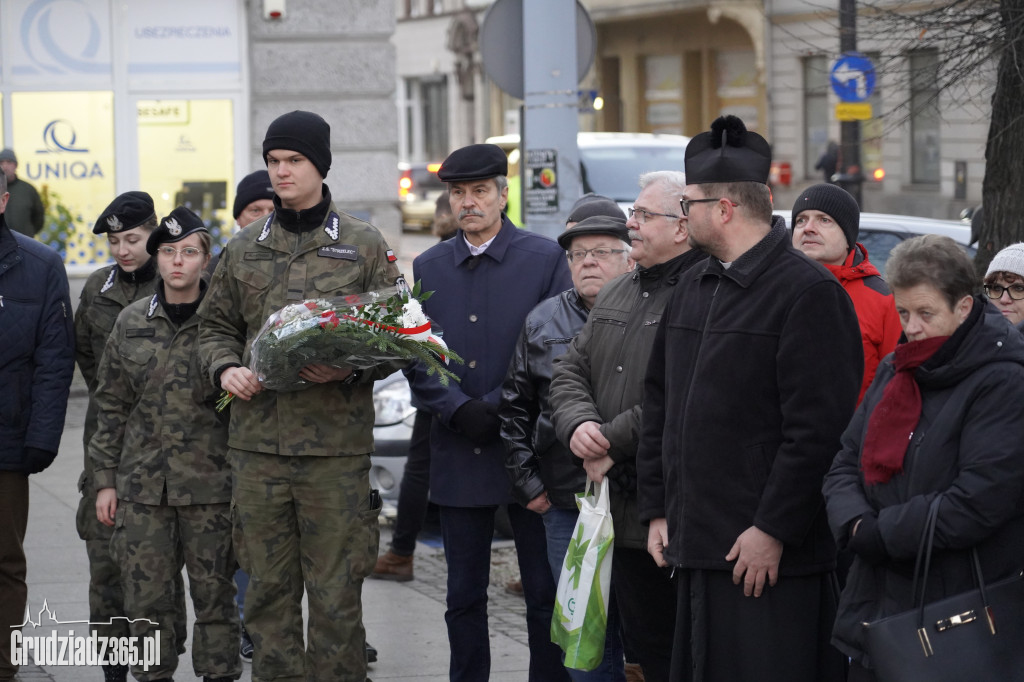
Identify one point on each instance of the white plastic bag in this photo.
(581, 601)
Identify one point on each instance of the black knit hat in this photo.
(125, 212)
(834, 201)
(590, 205)
(253, 187)
(473, 162)
(180, 223)
(597, 224)
(303, 132)
(728, 153)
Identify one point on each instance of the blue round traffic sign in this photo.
(853, 77)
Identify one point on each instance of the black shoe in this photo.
(371, 653)
(115, 673)
(246, 648)
(218, 679)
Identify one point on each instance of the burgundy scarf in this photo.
(895, 417)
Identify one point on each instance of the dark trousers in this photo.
(13, 589)
(412, 495)
(646, 597)
(467, 533)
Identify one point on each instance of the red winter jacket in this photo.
(879, 322)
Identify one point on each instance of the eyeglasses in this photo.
(600, 253)
(643, 215)
(1016, 291)
(685, 203)
(188, 253)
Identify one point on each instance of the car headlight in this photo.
(392, 402)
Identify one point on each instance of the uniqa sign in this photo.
(59, 137)
(63, 170)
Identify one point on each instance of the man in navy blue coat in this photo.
(37, 359)
(486, 279)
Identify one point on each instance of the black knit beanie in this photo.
(836, 202)
(252, 187)
(303, 132)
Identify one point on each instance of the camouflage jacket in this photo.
(157, 426)
(105, 294)
(263, 268)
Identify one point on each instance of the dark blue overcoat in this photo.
(481, 306)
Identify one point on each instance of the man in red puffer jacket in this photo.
(825, 223)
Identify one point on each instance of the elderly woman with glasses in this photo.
(1004, 283)
(160, 456)
(942, 417)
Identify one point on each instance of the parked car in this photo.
(418, 190)
(392, 429)
(881, 232)
(611, 163)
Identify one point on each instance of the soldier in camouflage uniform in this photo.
(304, 516)
(160, 463)
(127, 222)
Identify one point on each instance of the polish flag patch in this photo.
(391, 256)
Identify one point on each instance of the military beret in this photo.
(475, 162)
(180, 223)
(252, 187)
(598, 224)
(127, 211)
(728, 153)
(590, 205)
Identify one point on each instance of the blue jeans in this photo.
(559, 525)
(467, 533)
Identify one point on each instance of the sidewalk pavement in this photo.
(404, 621)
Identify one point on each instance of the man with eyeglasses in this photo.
(595, 396)
(545, 479)
(826, 219)
(753, 376)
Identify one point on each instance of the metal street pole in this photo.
(549, 157)
(852, 179)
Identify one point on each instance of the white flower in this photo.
(412, 314)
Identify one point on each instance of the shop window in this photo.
(186, 158)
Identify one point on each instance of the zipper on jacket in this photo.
(1, 301)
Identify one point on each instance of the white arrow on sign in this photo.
(844, 74)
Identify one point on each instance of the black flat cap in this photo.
(590, 205)
(598, 224)
(179, 223)
(728, 153)
(475, 162)
(127, 211)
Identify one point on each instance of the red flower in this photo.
(328, 320)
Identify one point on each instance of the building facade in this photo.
(100, 97)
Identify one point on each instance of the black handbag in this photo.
(973, 636)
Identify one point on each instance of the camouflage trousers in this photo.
(305, 522)
(151, 543)
(106, 601)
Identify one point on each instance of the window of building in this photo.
(663, 94)
(426, 119)
(816, 115)
(872, 131)
(924, 116)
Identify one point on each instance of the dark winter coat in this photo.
(480, 303)
(967, 446)
(600, 377)
(534, 458)
(753, 377)
(37, 352)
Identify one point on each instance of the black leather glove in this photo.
(868, 543)
(37, 459)
(477, 420)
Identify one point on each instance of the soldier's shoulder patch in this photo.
(391, 256)
(342, 251)
(333, 226)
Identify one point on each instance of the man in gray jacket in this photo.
(595, 396)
